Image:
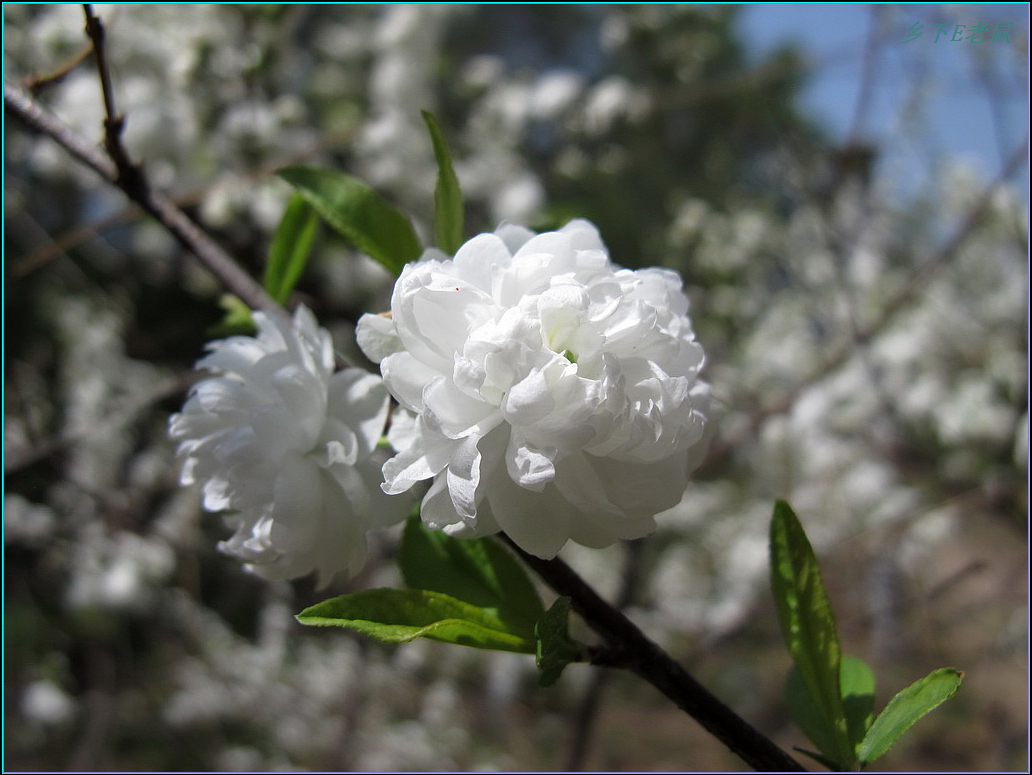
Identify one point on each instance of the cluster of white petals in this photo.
(549, 394)
(287, 447)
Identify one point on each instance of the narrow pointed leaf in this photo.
(807, 714)
(291, 247)
(359, 213)
(906, 708)
(402, 615)
(857, 687)
(478, 571)
(808, 626)
(448, 216)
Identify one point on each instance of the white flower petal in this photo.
(376, 337)
(480, 259)
(426, 456)
(529, 400)
(513, 236)
(529, 467)
(537, 522)
(438, 510)
(433, 312)
(463, 476)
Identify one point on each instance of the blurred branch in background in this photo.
(138, 190)
(586, 716)
(53, 248)
(924, 271)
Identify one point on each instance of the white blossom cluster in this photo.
(547, 393)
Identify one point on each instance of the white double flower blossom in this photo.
(552, 395)
(287, 446)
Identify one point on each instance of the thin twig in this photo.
(52, 247)
(130, 175)
(628, 647)
(159, 206)
(38, 81)
(867, 77)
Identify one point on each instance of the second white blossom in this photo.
(287, 447)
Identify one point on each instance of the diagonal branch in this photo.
(189, 234)
(630, 648)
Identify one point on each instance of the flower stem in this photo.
(629, 647)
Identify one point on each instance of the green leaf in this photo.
(237, 319)
(402, 615)
(906, 708)
(359, 213)
(478, 571)
(807, 714)
(555, 648)
(291, 246)
(808, 626)
(857, 682)
(857, 688)
(448, 215)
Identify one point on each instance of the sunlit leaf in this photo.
(402, 615)
(448, 215)
(906, 708)
(478, 571)
(237, 319)
(291, 247)
(359, 213)
(857, 688)
(808, 626)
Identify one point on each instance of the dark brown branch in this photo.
(113, 122)
(189, 234)
(627, 646)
